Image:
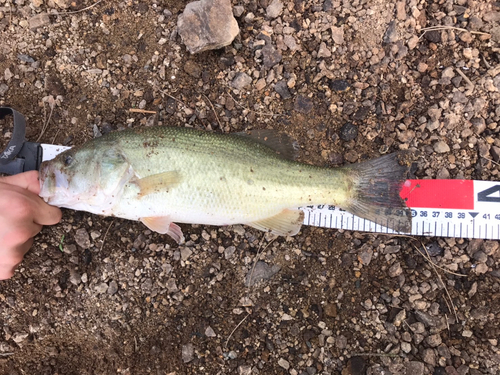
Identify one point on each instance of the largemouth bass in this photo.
(167, 175)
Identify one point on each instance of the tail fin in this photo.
(377, 184)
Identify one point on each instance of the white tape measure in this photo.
(444, 208)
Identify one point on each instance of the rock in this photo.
(447, 75)
(481, 268)
(262, 271)
(209, 332)
(187, 353)
(338, 34)
(480, 256)
(62, 3)
(171, 286)
(399, 318)
(291, 43)
(415, 368)
(400, 10)
(186, 253)
(480, 313)
(19, 337)
(101, 288)
(229, 252)
(490, 247)
(238, 10)
(355, 366)
(270, 56)
(245, 370)
(324, 51)
(303, 104)
(429, 356)
(112, 288)
(3, 89)
(38, 21)
(7, 75)
(192, 68)
(433, 36)
(348, 132)
(282, 89)
(241, 80)
(425, 318)
(495, 153)
(365, 255)
(260, 84)
(274, 9)
(390, 35)
(207, 24)
(406, 347)
(433, 340)
(339, 85)
(327, 5)
(361, 113)
(284, 363)
(395, 270)
(74, 277)
(54, 86)
(434, 249)
(330, 310)
(413, 41)
(82, 238)
(441, 147)
(492, 17)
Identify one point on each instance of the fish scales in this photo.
(224, 178)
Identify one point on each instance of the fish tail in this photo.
(376, 187)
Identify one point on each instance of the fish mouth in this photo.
(53, 184)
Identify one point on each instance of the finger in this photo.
(26, 180)
(46, 214)
(11, 258)
(16, 237)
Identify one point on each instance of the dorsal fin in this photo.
(279, 142)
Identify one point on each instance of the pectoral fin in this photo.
(286, 223)
(158, 182)
(164, 225)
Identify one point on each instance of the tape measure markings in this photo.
(445, 208)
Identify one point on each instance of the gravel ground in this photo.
(350, 80)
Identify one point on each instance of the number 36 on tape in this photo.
(445, 208)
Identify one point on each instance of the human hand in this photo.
(22, 214)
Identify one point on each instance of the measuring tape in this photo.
(442, 208)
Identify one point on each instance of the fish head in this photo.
(87, 178)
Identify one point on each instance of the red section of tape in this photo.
(453, 194)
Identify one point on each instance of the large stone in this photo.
(207, 24)
(39, 20)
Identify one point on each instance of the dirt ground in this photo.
(100, 295)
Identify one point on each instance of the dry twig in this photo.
(138, 110)
(80, 10)
(433, 28)
(46, 124)
(213, 109)
(235, 328)
(248, 109)
(105, 234)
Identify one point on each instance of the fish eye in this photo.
(68, 160)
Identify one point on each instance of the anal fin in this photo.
(163, 225)
(286, 223)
